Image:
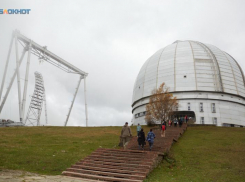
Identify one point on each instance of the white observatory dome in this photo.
(194, 72)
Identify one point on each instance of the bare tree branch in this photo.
(161, 106)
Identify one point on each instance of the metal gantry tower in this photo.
(43, 54)
(37, 101)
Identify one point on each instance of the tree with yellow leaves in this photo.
(161, 106)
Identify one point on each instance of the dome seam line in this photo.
(214, 60)
(158, 66)
(239, 69)
(144, 76)
(175, 66)
(194, 61)
(232, 72)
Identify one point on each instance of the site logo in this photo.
(15, 11)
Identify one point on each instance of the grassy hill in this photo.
(205, 154)
(201, 154)
(50, 150)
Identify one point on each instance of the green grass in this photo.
(201, 154)
(205, 154)
(50, 150)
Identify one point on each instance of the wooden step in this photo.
(126, 151)
(106, 150)
(70, 178)
(135, 156)
(146, 159)
(115, 160)
(120, 167)
(114, 164)
(106, 169)
(109, 174)
(97, 177)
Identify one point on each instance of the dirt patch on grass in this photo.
(15, 173)
(20, 176)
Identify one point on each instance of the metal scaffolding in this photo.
(43, 54)
(37, 100)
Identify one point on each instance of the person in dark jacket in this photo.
(141, 139)
(181, 121)
(186, 117)
(175, 122)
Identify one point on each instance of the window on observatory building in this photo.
(140, 114)
(213, 108)
(201, 107)
(215, 121)
(189, 106)
(202, 120)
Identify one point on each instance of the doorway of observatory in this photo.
(190, 114)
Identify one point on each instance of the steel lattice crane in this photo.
(43, 54)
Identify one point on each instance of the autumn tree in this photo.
(161, 106)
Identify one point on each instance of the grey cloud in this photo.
(111, 40)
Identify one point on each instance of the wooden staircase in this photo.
(114, 165)
(130, 165)
(161, 145)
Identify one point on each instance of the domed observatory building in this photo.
(208, 83)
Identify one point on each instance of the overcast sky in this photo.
(110, 40)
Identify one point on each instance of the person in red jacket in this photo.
(163, 130)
